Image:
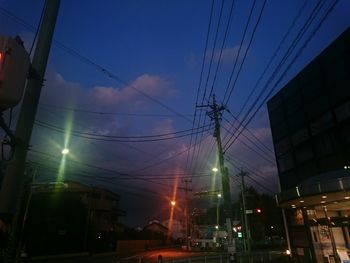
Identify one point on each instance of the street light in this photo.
(173, 203)
(65, 151)
(215, 169)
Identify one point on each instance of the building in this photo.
(71, 217)
(310, 123)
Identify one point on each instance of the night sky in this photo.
(124, 77)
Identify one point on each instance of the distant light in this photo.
(219, 195)
(324, 196)
(215, 169)
(301, 201)
(288, 252)
(347, 197)
(216, 227)
(323, 202)
(65, 151)
(271, 227)
(173, 203)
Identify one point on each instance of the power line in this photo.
(251, 133)
(240, 47)
(95, 65)
(107, 138)
(263, 155)
(300, 34)
(45, 105)
(274, 55)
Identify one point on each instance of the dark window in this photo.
(285, 162)
(288, 180)
(321, 124)
(331, 163)
(338, 80)
(303, 153)
(275, 103)
(282, 146)
(293, 103)
(276, 116)
(297, 120)
(306, 170)
(279, 131)
(345, 133)
(300, 136)
(313, 89)
(325, 144)
(317, 106)
(343, 111)
(96, 195)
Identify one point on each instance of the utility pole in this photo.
(215, 115)
(187, 221)
(246, 238)
(13, 179)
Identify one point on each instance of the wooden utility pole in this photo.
(215, 115)
(13, 179)
(187, 219)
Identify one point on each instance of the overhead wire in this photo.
(296, 40)
(78, 110)
(246, 52)
(273, 56)
(107, 138)
(97, 66)
(240, 47)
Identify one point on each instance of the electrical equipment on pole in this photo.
(14, 68)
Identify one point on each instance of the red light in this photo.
(258, 210)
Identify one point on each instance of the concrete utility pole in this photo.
(12, 181)
(246, 238)
(215, 115)
(187, 221)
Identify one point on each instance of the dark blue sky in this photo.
(158, 47)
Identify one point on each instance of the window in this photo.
(342, 112)
(279, 131)
(317, 106)
(300, 136)
(312, 89)
(338, 79)
(297, 120)
(285, 162)
(345, 133)
(303, 153)
(321, 124)
(325, 144)
(293, 103)
(282, 146)
(276, 116)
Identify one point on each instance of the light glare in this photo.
(65, 151)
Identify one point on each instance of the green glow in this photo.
(65, 151)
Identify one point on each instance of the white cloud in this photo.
(228, 55)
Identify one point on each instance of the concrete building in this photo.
(310, 123)
(71, 217)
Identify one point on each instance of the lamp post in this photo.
(217, 210)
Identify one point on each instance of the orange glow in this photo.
(173, 203)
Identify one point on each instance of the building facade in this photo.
(310, 123)
(71, 217)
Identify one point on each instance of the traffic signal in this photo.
(14, 67)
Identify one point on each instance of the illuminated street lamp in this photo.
(173, 203)
(65, 151)
(215, 169)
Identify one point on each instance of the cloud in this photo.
(228, 55)
(153, 86)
